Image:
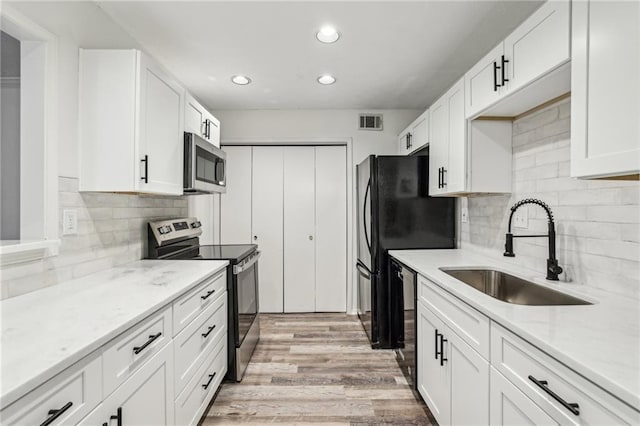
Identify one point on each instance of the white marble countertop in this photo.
(46, 331)
(600, 342)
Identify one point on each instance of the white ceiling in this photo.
(391, 54)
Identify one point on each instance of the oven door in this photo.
(204, 166)
(246, 290)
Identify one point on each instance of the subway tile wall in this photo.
(597, 221)
(111, 231)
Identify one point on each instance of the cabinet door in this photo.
(267, 223)
(439, 144)
(433, 380)
(483, 82)
(235, 204)
(213, 129)
(469, 374)
(299, 229)
(455, 175)
(403, 142)
(605, 89)
(331, 229)
(538, 45)
(146, 398)
(420, 131)
(194, 116)
(160, 129)
(509, 406)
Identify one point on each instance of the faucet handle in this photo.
(508, 246)
(553, 269)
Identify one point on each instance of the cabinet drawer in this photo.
(190, 305)
(520, 362)
(195, 398)
(74, 392)
(472, 326)
(129, 351)
(194, 342)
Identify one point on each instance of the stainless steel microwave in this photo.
(204, 166)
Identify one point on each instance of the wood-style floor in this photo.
(318, 369)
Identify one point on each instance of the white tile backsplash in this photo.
(597, 221)
(111, 232)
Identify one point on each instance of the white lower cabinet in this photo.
(509, 406)
(519, 384)
(146, 398)
(65, 399)
(450, 371)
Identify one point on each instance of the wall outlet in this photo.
(69, 222)
(521, 218)
(464, 214)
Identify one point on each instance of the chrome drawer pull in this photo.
(571, 406)
(206, 296)
(54, 414)
(206, 385)
(205, 335)
(139, 349)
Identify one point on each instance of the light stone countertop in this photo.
(601, 342)
(48, 330)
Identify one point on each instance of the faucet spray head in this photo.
(508, 246)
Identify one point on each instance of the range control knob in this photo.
(196, 224)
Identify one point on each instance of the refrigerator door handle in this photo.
(364, 271)
(364, 215)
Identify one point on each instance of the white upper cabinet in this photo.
(605, 89)
(525, 70)
(467, 156)
(415, 136)
(200, 121)
(483, 82)
(538, 45)
(131, 117)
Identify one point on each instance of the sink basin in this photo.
(511, 289)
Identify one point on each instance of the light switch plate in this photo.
(69, 222)
(521, 218)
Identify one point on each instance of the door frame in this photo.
(351, 220)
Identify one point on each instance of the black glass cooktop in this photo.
(232, 252)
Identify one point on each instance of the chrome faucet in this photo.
(553, 270)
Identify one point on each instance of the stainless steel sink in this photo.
(510, 289)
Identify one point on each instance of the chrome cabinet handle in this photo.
(543, 384)
(54, 414)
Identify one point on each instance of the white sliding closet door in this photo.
(267, 224)
(235, 208)
(331, 229)
(299, 229)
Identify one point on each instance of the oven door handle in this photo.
(237, 269)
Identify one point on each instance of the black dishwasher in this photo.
(404, 281)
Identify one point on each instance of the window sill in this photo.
(12, 252)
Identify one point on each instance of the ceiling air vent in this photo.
(370, 122)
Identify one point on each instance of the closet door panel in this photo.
(267, 224)
(235, 204)
(299, 229)
(331, 229)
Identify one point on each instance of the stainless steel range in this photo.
(178, 239)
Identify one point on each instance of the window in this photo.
(28, 168)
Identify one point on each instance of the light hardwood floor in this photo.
(318, 369)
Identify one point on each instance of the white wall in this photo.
(597, 221)
(291, 126)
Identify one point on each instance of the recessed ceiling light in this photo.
(326, 79)
(328, 34)
(241, 80)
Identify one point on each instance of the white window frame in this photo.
(20, 27)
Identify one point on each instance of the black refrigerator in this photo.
(395, 211)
